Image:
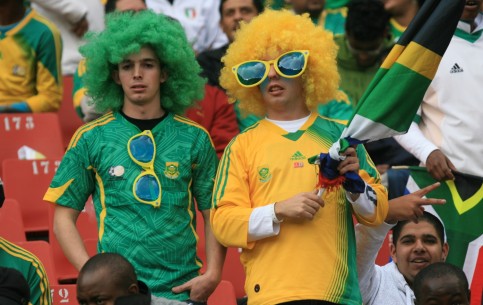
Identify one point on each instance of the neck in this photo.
(11, 12)
(288, 115)
(143, 112)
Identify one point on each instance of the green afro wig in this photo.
(271, 34)
(125, 34)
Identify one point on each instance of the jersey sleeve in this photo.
(231, 199)
(204, 170)
(49, 76)
(75, 179)
(377, 193)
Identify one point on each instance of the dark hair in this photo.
(366, 19)
(257, 3)
(429, 218)
(110, 6)
(439, 270)
(121, 270)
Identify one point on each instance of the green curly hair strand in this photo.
(271, 34)
(125, 34)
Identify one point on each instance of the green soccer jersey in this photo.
(159, 242)
(13, 256)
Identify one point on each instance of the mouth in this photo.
(420, 262)
(275, 89)
(138, 88)
(472, 3)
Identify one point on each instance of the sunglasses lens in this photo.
(147, 188)
(142, 148)
(250, 73)
(291, 64)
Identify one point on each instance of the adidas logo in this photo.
(456, 69)
(297, 156)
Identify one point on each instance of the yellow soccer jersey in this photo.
(30, 54)
(307, 259)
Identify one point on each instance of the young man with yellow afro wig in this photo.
(298, 246)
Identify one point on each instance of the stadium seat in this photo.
(86, 224)
(64, 294)
(476, 287)
(224, 294)
(43, 251)
(38, 131)
(27, 181)
(233, 271)
(11, 221)
(69, 120)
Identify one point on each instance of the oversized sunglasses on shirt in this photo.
(142, 150)
(253, 72)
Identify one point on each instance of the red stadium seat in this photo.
(476, 287)
(87, 225)
(11, 221)
(69, 120)
(27, 181)
(232, 269)
(224, 294)
(43, 251)
(64, 294)
(39, 131)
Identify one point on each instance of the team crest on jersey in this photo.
(19, 70)
(171, 171)
(264, 173)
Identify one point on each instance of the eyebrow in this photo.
(147, 59)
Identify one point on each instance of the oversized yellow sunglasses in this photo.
(252, 73)
(146, 187)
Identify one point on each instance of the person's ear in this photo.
(392, 250)
(445, 251)
(133, 288)
(115, 77)
(163, 77)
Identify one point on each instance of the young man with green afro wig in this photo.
(144, 166)
(298, 243)
(122, 37)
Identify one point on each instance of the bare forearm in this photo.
(69, 239)
(215, 252)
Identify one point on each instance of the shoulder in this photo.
(92, 128)
(189, 125)
(41, 24)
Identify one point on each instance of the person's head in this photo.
(105, 277)
(232, 12)
(417, 245)
(471, 10)
(313, 7)
(14, 289)
(135, 34)
(268, 36)
(124, 5)
(442, 284)
(366, 27)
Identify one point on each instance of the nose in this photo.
(238, 15)
(419, 246)
(137, 73)
(272, 73)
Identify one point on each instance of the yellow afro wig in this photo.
(271, 34)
